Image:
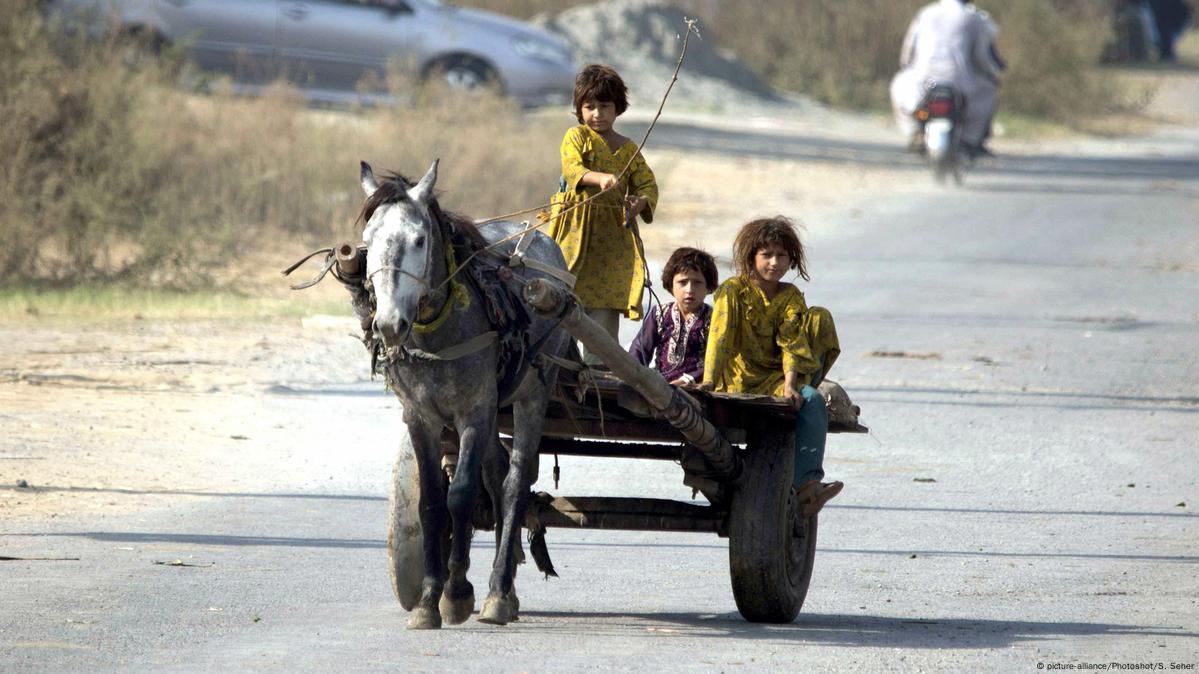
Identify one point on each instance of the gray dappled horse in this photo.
(419, 317)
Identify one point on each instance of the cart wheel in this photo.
(405, 544)
(771, 552)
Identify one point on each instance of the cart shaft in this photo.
(680, 409)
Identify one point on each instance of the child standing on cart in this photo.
(764, 339)
(676, 335)
(599, 239)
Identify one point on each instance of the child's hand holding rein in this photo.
(601, 180)
(633, 206)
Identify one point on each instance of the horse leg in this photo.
(499, 607)
(495, 467)
(475, 438)
(433, 520)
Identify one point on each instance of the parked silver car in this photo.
(328, 46)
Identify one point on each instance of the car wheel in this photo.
(140, 49)
(463, 73)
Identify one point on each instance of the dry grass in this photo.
(115, 173)
(840, 51)
(844, 52)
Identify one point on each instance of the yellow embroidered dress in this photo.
(753, 341)
(599, 249)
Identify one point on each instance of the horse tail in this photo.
(541, 553)
(537, 547)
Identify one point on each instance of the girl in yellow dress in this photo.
(599, 238)
(765, 339)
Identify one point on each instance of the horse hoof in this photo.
(424, 619)
(457, 611)
(496, 611)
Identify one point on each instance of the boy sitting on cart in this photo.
(676, 335)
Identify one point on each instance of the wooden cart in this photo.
(748, 488)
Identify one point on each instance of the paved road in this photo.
(1028, 494)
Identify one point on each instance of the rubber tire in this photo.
(942, 168)
(464, 74)
(141, 48)
(769, 564)
(405, 543)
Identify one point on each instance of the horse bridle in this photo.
(414, 277)
(420, 303)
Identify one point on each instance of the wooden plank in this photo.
(628, 514)
(675, 406)
(639, 431)
(612, 450)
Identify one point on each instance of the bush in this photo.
(844, 52)
(77, 163)
(114, 172)
(1052, 51)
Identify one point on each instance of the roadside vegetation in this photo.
(114, 174)
(844, 52)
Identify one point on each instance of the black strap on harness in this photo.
(508, 318)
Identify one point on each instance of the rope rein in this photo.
(409, 274)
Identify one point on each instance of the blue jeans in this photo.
(811, 430)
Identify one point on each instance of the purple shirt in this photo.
(678, 344)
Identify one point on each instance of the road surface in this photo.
(1025, 349)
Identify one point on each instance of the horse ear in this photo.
(367, 176)
(424, 189)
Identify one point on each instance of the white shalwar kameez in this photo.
(949, 42)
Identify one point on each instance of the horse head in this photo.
(405, 259)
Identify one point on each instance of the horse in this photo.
(438, 346)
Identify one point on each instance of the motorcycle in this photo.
(940, 118)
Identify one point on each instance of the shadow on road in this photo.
(226, 540)
(182, 492)
(1103, 190)
(1058, 400)
(212, 539)
(839, 630)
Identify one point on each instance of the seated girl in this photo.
(764, 339)
(678, 332)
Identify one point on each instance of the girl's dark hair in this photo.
(692, 259)
(600, 83)
(758, 234)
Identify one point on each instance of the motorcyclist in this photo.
(950, 42)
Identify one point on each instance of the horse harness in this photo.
(493, 278)
(493, 281)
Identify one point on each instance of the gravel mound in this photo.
(642, 39)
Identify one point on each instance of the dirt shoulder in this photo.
(113, 416)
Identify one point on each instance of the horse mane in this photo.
(394, 189)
